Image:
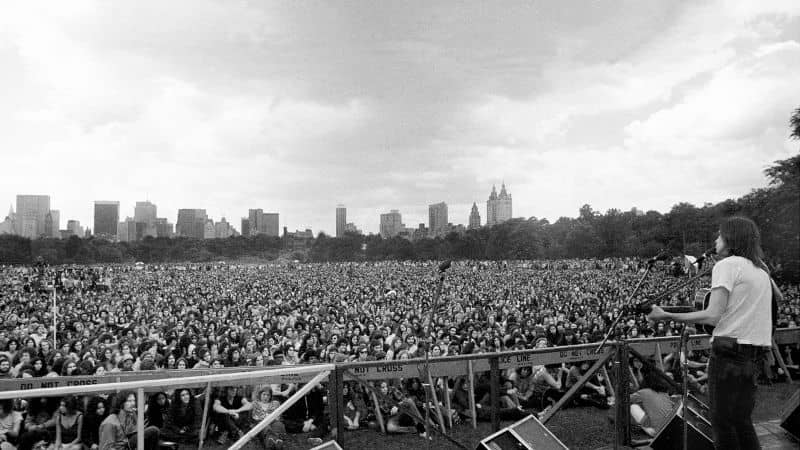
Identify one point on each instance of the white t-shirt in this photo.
(748, 316)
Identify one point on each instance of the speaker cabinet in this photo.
(698, 432)
(330, 445)
(790, 416)
(527, 434)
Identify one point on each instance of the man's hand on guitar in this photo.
(657, 314)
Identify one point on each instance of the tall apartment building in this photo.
(31, 213)
(223, 229)
(341, 220)
(106, 218)
(498, 207)
(474, 218)
(191, 223)
(391, 224)
(437, 219)
(75, 228)
(164, 228)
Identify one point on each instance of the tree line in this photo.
(685, 229)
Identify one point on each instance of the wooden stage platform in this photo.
(770, 435)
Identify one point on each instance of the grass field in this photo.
(577, 428)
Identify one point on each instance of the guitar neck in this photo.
(679, 309)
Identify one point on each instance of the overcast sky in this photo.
(296, 106)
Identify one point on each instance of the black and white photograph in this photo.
(394, 224)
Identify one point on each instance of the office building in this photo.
(341, 220)
(126, 230)
(474, 217)
(164, 229)
(145, 212)
(498, 207)
(52, 223)
(209, 232)
(245, 226)
(223, 229)
(75, 228)
(191, 223)
(350, 227)
(437, 219)
(31, 213)
(391, 224)
(262, 223)
(106, 218)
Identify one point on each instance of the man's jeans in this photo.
(732, 393)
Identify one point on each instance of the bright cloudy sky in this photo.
(296, 106)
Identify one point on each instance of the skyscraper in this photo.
(437, 218)
(262, 223)
(106, 218)
(74, 226)
(271, 225)
(145, 212)
(245, 226)
(52, 222)
(191, 223)
(498, 207)
(474, 217)
(31, 213)
(8, 225)
(341, 220)
(391, 224)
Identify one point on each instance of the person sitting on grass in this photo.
(229, 414)
(264, 404)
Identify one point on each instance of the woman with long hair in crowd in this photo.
(96, 411)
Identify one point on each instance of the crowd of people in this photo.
(174, 317)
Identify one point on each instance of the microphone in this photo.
(706, 254)
(662, 256)
(445, 265)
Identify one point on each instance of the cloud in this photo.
(295, 107)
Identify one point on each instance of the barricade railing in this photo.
(441, 367)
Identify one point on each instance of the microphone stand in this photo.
(626, 304)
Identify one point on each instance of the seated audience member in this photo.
(119, 430)
(230, 416)
(274, 434)
(182, 419)
(69, 424)
(10, 425)
(96, 411)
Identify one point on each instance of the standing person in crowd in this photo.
(739, 308)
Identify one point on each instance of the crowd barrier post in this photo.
(447, 405)
(140, 419)
(204, 422)
(777, 351)
(378, 413)
(609, 385)
(494, 391)
(622, 404)
(575, 387)
(471, 380)
(435, 402)
(335, 399)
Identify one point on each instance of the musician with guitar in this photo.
(739, 308)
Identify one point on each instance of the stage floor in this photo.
(772, 436)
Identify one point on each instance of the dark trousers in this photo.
(151, 434)
(732, 393)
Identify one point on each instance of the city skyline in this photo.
(290, 108)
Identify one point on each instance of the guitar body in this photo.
(701, 299)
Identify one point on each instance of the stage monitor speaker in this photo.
(528, 433)
(790, 416)
(699, 434)
(330, 445)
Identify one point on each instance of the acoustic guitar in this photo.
(701, 298)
